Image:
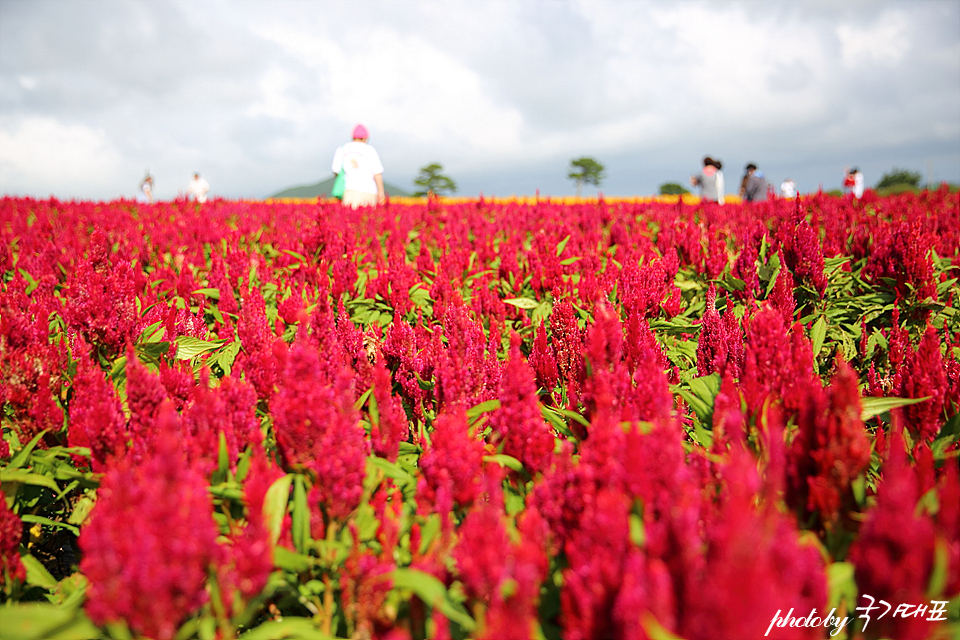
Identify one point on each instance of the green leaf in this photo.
(840, 584)
(28, 517)
(21, 456)
(208, 292)
(817, 335)
(556, 420)
(188, 347)
(289, 627)
(476, 411)
(655, 630)
(571, 260)
(505, 461)
(25, 477)
(226, 356)
(153, 333)
(37, 574)
(301, 516)
(562, 245)
(275, 505)
(638, 532)
(432, 592)
(941, 562)
(288, 560)
(701, 395)
(391, 470)
(872, 407)
(522, 303)
(36, 621)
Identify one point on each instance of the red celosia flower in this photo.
(317, 427)
(568, 345)
(804, 255)
(720, 344)
(388, 427)
(518, 423)
(757, 550)
(11, 532)
(146, 516)
(831, 447)
(246, 560)
(96, 417)
(543, 361)
(922, 375)
(145, 393)
(451, 464)
(901, 252)
(894, 553)
(782, 296)
(595, 553)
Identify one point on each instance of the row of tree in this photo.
(586, 170)
(432, 181)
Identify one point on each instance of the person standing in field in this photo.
(146, 189)
(853, 182)
(788, 188)
(198, 188)
(710, 181)
(753, 187)
(362, 171)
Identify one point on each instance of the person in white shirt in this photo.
(853, 182)
(362, 171)
(710, 180)
(198, 188)
(146, 189)
(788, 188)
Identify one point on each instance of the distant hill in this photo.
(323, 189)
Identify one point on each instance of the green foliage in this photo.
(894, 189)
(432, 180)
(586, 170)
(672, 189)
(900, 176)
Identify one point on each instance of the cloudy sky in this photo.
(257, 94)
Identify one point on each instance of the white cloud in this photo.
(885, 41)
(42, 155)
(394, 83)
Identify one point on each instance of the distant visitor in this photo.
(198, 188)
(753, 186)
(788, 188)
(146, 189)
(359, 165)
(710, 180)
(853, 182)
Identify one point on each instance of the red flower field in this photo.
(481, 419)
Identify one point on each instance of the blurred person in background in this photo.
(146, 189)
(198, 188)
(753, 187)
(362, 171)
(710, 180)
(788, 188)
(853, 182)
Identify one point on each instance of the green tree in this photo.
(585, 171)
(672, 189)
(900, 177)
(431, 180)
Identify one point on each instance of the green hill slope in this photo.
(323, 189)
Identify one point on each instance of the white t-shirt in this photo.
(359, 162)
(858, 185)
(198, 189)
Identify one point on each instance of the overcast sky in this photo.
(256, 95)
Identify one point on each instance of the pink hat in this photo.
(360, 132)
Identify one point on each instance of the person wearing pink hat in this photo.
(362, 171)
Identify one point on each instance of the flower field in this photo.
(481, 419)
